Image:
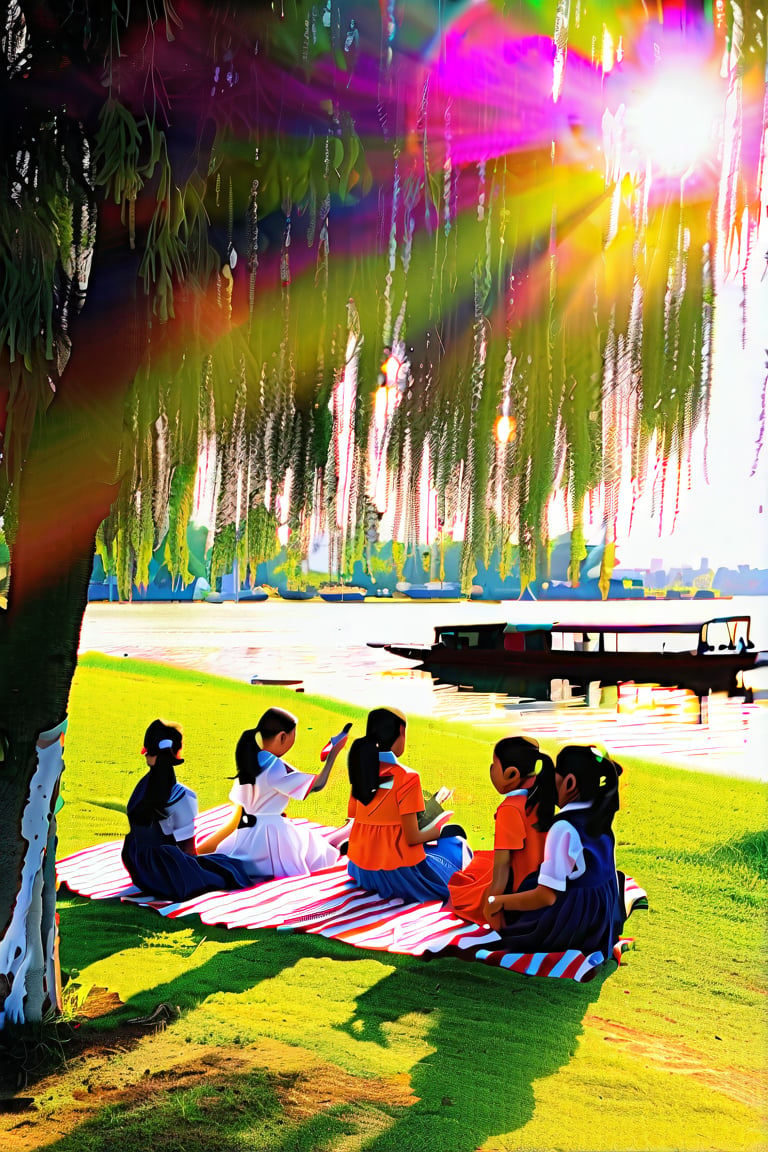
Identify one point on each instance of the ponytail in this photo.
(163, 741)
(247, 757)
(363, 767)
(381, 731)
(597, 778)
(273, 722)
(543, 794)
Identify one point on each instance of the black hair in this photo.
(523, 753)
(381, 731)
(163, 741)
(273, 722)
(597, 778)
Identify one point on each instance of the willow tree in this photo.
(220, 221)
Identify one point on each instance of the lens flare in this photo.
(505, 429)
(673, 124)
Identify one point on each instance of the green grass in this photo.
(668, 1052)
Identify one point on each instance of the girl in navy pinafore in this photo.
(577, 902)
(159, 850)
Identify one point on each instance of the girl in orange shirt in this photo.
(518, 843)
(388, 852)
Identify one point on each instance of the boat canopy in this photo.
(628, 629)
(722, 634)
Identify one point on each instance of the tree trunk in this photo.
(38, 655)
(66, 486)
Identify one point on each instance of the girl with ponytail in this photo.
(159, 850)
(577, 902)
(259, 835)
(518, 842)
(388, 852)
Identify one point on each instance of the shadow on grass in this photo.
(227, 1105)
(492, 1035)
(92, 931)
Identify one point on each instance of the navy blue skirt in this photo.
(417, 883)
(158, 866)
(586, 918)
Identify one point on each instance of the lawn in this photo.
(292, 1042)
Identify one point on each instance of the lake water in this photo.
(325, 647)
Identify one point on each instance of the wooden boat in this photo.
(263, 682)
(609, 653)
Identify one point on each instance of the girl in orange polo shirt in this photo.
(388, 853)
(518, 842)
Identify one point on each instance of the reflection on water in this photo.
(325, 647)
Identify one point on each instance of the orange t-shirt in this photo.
(515, 831)
(377, 841)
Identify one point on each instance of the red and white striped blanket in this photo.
(329, 903)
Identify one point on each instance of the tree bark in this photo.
(66, 486)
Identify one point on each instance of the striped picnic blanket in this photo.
(330, 904)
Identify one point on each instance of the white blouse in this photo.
(181, 809)
(563, 851)
(276, 784)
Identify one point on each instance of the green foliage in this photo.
(261, 543)
(164, 262)
(116, 154)
(398, 558)
(223, 554)
(176, 555)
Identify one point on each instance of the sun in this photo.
(673, 122)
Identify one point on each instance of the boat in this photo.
(582, 653)
(243, 596)
(342, 594)
(433, 590)
(262, 682)
(297, 593)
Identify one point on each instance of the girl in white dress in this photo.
(259, 835)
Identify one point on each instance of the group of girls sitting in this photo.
(549, 884)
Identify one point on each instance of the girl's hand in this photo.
(328, 755)
(330, 759)
(435, 826)
(415, 835)
(211, 843)
(338, 745)
(493, 906)
(335, 744)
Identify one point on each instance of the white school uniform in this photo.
(181, 809)
(274, 845)
(563, 851)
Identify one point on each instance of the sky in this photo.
(724, 515)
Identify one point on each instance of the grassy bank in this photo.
(294, 1042)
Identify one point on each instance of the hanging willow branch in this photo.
(577, 301)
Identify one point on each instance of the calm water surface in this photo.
(325, 647)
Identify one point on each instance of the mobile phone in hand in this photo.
(333, 741)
